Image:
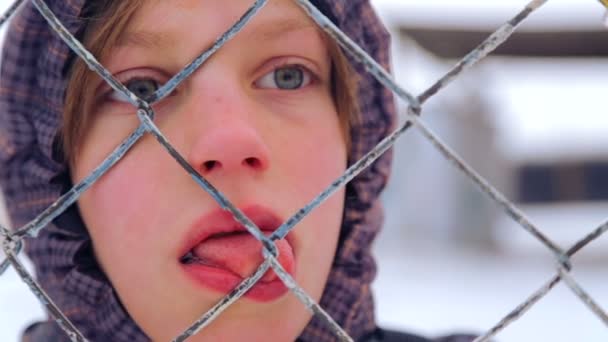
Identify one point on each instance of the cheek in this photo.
(319, 233)
(315, 161)
(118, 209)
(311, 160)
(120, 191)
(309, 147)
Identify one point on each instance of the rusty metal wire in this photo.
(12, 240)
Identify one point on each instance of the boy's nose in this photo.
(225, 138)
(229, 148)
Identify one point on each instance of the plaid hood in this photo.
(35, 63)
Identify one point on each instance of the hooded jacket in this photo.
(33, 175)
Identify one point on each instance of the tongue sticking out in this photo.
(241, 254)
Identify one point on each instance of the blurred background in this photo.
(532, 120)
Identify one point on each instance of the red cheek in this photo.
(124, 201)
(325, 165)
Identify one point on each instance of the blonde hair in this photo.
(103, 31)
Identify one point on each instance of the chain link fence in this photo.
(13, 239)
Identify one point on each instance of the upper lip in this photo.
(221, 221)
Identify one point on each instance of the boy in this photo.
(270, 120)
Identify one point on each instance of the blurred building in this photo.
(530, 119)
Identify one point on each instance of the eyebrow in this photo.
(145, 39)
(265, 32)
(275, 29)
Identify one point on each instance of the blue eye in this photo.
(142, 87)
(286, 78)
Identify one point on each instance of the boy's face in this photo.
(258, 121)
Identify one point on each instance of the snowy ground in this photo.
(432, 289)
(18, 306)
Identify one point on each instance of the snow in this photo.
(438, 290)
(18, 306)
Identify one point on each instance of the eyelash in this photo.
(309, 76)
(109, 94)
(130, 76)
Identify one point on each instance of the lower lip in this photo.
(224, 281)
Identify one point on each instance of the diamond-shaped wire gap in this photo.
(543, 290)
(490, 44)
(48, 304)
(146, 119)
(513, 211)
(145, 110)
(47, 216)
(10, 11)
(487, 188)
(270, 251)
(62, 203)
(269, 247)
(144, 106)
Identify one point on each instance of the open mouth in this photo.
(223, 255)
(237, 252)
(191, 258)
(194, 258)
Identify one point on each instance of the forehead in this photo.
(160, 21)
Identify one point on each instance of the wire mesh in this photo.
(12, 240)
